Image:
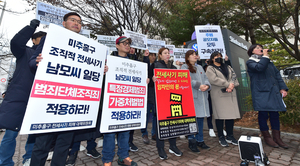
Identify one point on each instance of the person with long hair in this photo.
(200, 88)
(164, 63)
(223, 96)
(267, 88)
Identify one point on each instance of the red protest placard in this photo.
(175, 104)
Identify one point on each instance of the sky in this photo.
(13, 23)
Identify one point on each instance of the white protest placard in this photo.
(139, 40)
(47, 13)
(155, 45)
(109, 41)
(209, 40)
(125, 95)
(179, 54)
(171, 49)
(66, 91)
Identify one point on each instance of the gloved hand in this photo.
(34, 23)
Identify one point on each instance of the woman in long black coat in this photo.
(164, 63)
(267, 89)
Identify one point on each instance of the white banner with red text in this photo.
(66, 91)
(125, 95)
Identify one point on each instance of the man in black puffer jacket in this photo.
(13, 107)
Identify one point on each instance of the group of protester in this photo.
(214, 92)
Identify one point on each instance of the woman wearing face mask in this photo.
(164, 63)
(200, 88)
(223, 96)
(267, 88)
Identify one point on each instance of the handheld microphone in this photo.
(269, 50)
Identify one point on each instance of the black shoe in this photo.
(132, 147)
(222, 141)
(232, 140)
(162, 154)
(202, 145)
(193, 146)
(175, 150)
(72, 159)
(93, 153)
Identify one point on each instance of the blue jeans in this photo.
(199, 135)
(108, 151)
(263, 117)
(144, 131)
(28, 147)
(8, 146)
(91, 144)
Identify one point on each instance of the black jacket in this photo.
(160, 65)
(13, 107)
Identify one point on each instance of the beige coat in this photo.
(224, 105)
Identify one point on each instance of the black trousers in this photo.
(161, 143)
(42, 147)
(228, 125)
(131, 132)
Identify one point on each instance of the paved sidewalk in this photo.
(216, 155)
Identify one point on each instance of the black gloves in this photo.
(34, 23)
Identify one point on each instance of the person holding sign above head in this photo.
(223, 96)
(72, 21)
(164, 63)
(123, 46)
(200, 87)
(13, 107)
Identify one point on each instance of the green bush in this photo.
(292, 102)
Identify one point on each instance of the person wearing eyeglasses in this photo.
(123, 47)
(72, 21)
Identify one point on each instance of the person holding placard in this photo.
(223, 96)
(72, 21)
(200, 86)
(108, 152)
(13, 107)
(164, 63)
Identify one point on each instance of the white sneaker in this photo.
(82, 148)
(27, 162)
(182, 137)
(212, 133)
(100, 143)
(224, 132)
(50, 155)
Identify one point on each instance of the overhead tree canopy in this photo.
(279, 20)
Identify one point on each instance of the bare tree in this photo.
(5, 56)
(112, 17)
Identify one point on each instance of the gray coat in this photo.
(200, 98)
(224, 105)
